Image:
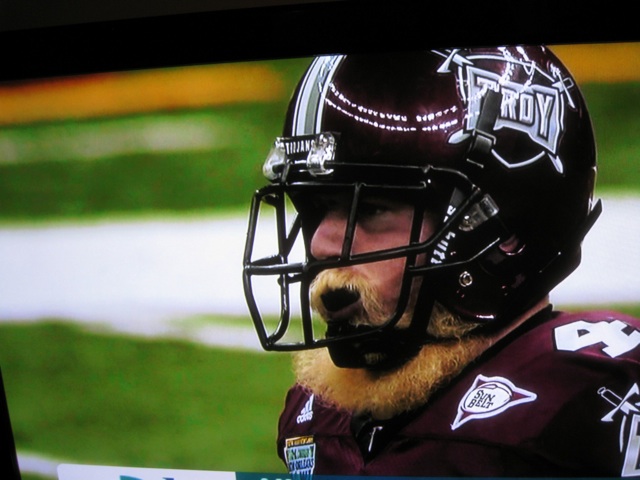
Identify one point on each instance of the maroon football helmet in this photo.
(496, 142)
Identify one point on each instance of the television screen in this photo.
(125, 336)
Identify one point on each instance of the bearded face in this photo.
(349, 303)
(383, 387)
(362, 298)
(391, 373)
(384, 393)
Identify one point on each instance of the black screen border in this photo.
(293, 30)
(300, 30)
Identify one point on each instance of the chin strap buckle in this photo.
(479, 213)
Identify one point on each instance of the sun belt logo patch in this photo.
(488, 397)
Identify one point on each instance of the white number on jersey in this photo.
(574, 336)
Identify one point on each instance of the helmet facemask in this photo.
(363, 323)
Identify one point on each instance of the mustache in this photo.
(443, 323)
(370, 311)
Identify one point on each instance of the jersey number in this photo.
(614, 335)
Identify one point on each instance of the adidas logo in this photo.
(306, 413)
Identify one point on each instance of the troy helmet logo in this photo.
(532, 104)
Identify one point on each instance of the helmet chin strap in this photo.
(385, 350)
(482, 139)
(388, 348)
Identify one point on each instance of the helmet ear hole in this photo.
(512, 246)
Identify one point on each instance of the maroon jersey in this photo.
(558, 397)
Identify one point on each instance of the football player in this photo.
(424, 206)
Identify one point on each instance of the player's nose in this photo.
(328, 238)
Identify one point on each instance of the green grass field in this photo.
(100, 398)
(113, 400)
(615, 110)
(103, 399)
(70, 169)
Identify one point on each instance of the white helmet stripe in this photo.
(310, 101)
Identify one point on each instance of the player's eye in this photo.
(377, 215)
(368, 209)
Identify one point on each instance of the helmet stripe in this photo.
(310, 101)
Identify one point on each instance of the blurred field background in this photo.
(184, 143)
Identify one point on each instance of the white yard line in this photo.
(38, 465)
(610, 264)
(140, 277)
